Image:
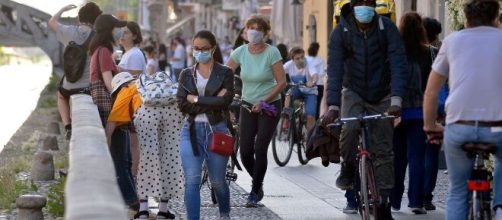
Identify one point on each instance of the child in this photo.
(152, 65)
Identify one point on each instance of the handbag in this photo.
(221, 143)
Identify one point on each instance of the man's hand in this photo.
(329, 117)
(434, 133)
(68, 7)
(309, 84)
(222, 92)
(395, 110)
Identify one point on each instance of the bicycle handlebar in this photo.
(341, 121)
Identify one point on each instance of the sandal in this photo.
(165, 215)
(142, 215)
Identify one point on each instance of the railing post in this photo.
(91, 189)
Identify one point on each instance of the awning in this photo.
(172, 30)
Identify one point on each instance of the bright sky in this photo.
(53, 6)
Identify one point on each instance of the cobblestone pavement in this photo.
(210, 211)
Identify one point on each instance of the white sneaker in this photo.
(498, 214)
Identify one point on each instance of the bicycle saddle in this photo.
(479, 147)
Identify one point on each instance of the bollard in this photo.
(54, 128)
(50, 143)
(42, 168)
(29, 207)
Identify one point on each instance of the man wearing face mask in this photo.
(366, 75)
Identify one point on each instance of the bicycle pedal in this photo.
(231, 176)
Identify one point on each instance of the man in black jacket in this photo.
(366, 75)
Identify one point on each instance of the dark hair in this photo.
(432, 27)
(136, 31)
(481, 12)
(413, 34)
(102, 39)
(295, 51)
(181, 41)
(149, 49)
(283, 49)
(313, 49)
(239, 41)
(263, 24)
(209, 36)
(162, 49)
(88, 13)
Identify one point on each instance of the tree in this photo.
(456, 13)
(114, 6)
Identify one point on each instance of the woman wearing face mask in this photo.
(263, 79)
(102, 69)
(205, 92)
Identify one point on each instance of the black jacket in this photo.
(419, 68)
(215, 108)
(372, 64)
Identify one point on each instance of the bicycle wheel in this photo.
(301, 141)
(364, 207)
(480, 206)
(373, 194)
(281, 149)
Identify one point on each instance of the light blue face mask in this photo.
(364, 14)
(202, 56)
(118, 34)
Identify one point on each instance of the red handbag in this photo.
(222, 143)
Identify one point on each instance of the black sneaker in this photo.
(67, 134)
(259, 194)
(418, 211)
(252, 200)
(429, 206)
(350, 209)
(165, 215)
(142, 215)
(345, 180)
(384, 212)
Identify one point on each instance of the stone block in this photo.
(30, 207)
(50, 143)
(54, 128)
(42, 168)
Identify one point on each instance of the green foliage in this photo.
(456, 13)
(11, 188)
(112, 6)
(55, 198)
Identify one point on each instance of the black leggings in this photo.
(256, 131)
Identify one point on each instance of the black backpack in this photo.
(74, 59)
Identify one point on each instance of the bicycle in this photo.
(230, 175)
(479, 182)
(367, 196)
(296, 133)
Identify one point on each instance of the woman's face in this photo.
(201, 45)
(127, 37)
(117, 34)
(251, 27)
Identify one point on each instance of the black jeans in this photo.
(121, 155)
(256, 131)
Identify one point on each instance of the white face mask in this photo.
(254, 36)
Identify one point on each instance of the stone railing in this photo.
(91, 189)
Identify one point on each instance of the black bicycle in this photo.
(291, 130)
(367, 196)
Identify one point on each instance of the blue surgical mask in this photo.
(254, 36)
(118, 34)
(202, 56)
(364, 14)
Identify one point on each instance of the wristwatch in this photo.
(196, 99)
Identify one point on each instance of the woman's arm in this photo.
(280, 78)
(232, 64)
(53, 22)
(183, 104)
(224, 97)
(107, 79)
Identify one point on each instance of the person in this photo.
(205, 92)
(433, 28)
(469, 60)
(102, 69)
(410, 147)
(283, 49)
(299, 73)
(79, 34)
(316, 66)
(179, 56)
(263, 79)
(133, 60)
(158, 124)
(152, 65)
(226, 48)
(162, 51)
(369, 62)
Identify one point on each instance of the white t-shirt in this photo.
(179, 53)
(152, 63)
(471, 60)
(133, 60)
(201, 88)
(291, 69)
(316, 65)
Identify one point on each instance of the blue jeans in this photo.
(350, 195)
(192, 168)
(121, 155)
(460, 166)
(310, 101)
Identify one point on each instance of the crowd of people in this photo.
(161, 107)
